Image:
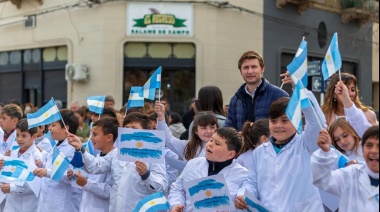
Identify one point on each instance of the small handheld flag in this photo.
(96, 104)
(342, 159)
(59, 165)
(22, 174)
(135, 100)
(297, 102)
(152, 203)
(89, 147)
(149, 89)
(45, 115)
(298, 67)
(333, 60)
(52, 141)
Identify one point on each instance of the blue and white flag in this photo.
(298, 67)
(45, 115)
(297, 102)
(96, 104)
(254, 204)
(154, 82)
(333, 60)
(59, 165)
(89, 147)
(135, 100)
(22, 174)
(152, 203)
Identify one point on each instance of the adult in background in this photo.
(333, 107)
(109, 102)
(253, 99)
(74, 106)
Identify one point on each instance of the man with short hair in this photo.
(74, 106)
(253, 99)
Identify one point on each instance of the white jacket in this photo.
(245, 159)
(351, 183)
(5, 146)
(22, 198)
(96, 193)
(59, 196)
(196, 168)
(129, 188)
(283, 181)
(43, 143)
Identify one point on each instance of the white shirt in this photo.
(197, 168)
(22, 198)
(59, 196)
(351, 183)
(245, 159)
(5, 146)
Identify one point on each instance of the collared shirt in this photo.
(6, 135)
(254, 91)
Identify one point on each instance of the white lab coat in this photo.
(177, 145)
(96, 193)
(22, 198)
(5, 146)
(197, 168)
(171, 172)
(245, 159)
(283, 181)
(129, 188)
(59, 196)
(44, 143)
(351, 183)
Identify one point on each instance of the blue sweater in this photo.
(243, 108)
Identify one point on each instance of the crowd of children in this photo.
(268, 158)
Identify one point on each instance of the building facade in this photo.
(117, 44)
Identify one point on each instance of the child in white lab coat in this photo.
(22, 198)
(281, 175)
(357, 185)
(97, 188)
(59, 196)
(221, 151)
(132, 181)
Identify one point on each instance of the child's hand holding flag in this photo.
(324, 140)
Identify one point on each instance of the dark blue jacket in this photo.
(243, 108)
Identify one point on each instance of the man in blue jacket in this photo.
(253, 99)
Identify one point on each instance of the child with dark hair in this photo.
(9, 117)
(98, 187)
(221, 151)
(356, 185)
(254, 134)
(20, 198)
(204, 126)
(132, 181)
(280, 176)
(62, 191)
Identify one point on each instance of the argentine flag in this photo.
(96, 104)
(149, 89)
(59, 165)
(152, 203)
(332, 61)
(22, 174)
(135, 100)
(47, 114)
(298, 67)
(89, 147)
(297, 102)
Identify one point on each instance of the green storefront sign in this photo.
(154, 19)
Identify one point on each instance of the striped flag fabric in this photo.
(22, 174)
(149, 89)
(333, 60)
(135, 100)
(89, 147)
(96, 104)
(152, 203)
(45, 115)
(59, 165)
(297, 102)
(298, 67)
(52, 141)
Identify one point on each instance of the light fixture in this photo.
(8, 21)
